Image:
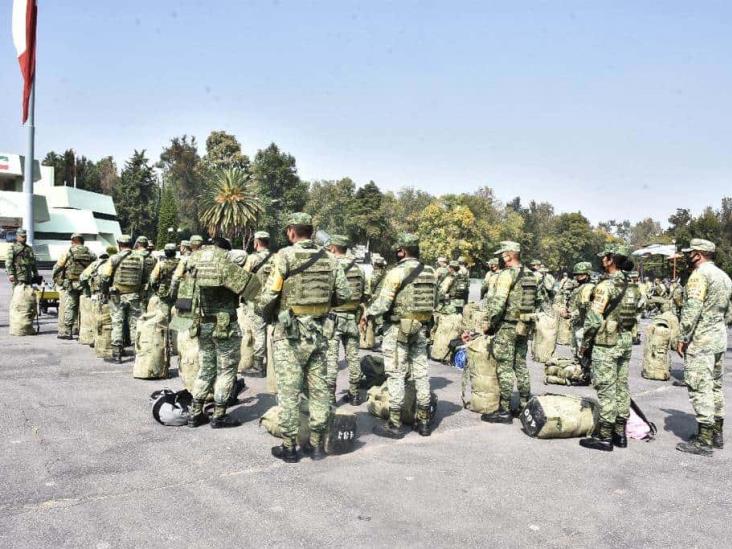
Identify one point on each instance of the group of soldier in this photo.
(313, 299)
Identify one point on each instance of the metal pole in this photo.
(29, 160)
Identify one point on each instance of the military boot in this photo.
(523, 401)
(502, 415)
(286, 452)
(602, 439)
(717, 436)
(423, 421)
(315, 447)
(392, 428)
(258, 369)
(701, 445)
(64, 336)
(196, 417)
(220, 420)
(116, 355)
(620, 440)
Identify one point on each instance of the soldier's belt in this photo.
(420, 317)
(350, 307)
(312, 310)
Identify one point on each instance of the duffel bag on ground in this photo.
(564, 371)
(103, 331)
(472, 317)
(545, 337)
(660, 336)
(480, 377)
(151, 347)
(559, 416)
(246, 359)
(23, 310)
(448, 328)
(86, 320)
(377, 403)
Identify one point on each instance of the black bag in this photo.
(342, 434)
(171, 408)
(372, 368)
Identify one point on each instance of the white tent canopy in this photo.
(667, 250)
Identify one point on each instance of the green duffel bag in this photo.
(448, 328)
(479, 375)
(377, 403)
(656, 356)
(152, 359)
(559, 416)
(564, 371)
(544, 341)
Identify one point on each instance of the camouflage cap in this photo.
(535, 263)
(262, 234)
(76, 236)
(124, 239)
(339, 240)
(583, 267)
(407, 240)
(462, 259)
(454, 264)
(615, 249)
(196, 239)
(634, 274)
(299, 218)
(186, 243)
(141, 240)
(492, 261)
(170, 247)
(700, 245)
(111, 250)
(508, 246)
(441, 259)
(21, 232)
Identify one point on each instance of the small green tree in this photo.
(167, 219)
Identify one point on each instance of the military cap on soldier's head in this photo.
(462, 260)
(454, 264)
(535, 263)
(185, 243)
(700, 245)
(141, 240)
(583, 267)
(262, 235)
(21, 232)
(441, 259)
(492, 261)
(124, 239)
(508, 246)
(299, 218)
(76, 236)
(170, 247)
(339, 240)
(407, 240)
(111, 250)
(196, 239)
(634, 274)
(615, 249)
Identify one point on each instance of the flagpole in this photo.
(29, 161)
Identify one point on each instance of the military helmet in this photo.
(111, 250)
(700, 245)
(454, 264)
(21, 232)
(535, 263)
(462, 260)
(441, 259)
(492, 261)
(124, 239)
(299, 218)
(141, 241)
(169, 408)
(407, 240)
(185, 243)
(196, 239)
(170, 248)
(76, 236)
(339, 240)
(261, 235)
(583, 267)
(508, 246)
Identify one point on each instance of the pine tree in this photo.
(136, 196)
(167, 219)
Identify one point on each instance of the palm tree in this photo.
(230, 204)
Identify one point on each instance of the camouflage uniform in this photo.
(406, 310)
(489, 282)
(703, 329)
(259, 263)
(217, 283)
(608, 332)
(21, 263)
(507, 314)
(141, 247)
(299, 304)
(68, 270)
(441, 271)
(579, 303)
(161, 278)
(449, 292)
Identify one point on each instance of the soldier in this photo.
(123, 283)
(441, 270)
(90, 279)
(259, 263)
(702, 344)
(345, 318)
(607, 339)
(304, 281)
(196, 242)
(545, 284)
(579, 303)
(449, 292)
(218, 281)
(407, 302)
(20, 263)
(490, 279)
(184, 248)
(507, 317)
(142, 247)
(463, 282)
(373, 282)
(67, 271)
(161, 277)
(676, 296)
(634, 279)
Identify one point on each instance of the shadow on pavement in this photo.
(245, 412)
(437, 383)
(681, 424)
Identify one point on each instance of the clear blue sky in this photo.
(619, 108)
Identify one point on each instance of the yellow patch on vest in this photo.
(602, 296)
(696, 287)
(277, 281)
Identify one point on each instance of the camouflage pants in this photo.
(218, 358)
(346, 332)
(259, 327)
(124, 308)
(300, 368)
(610, 378)
(403, 360)
(71, 312)
(578, 332)
(704, 374)
(509, 349)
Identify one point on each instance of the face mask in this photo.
(501, 263)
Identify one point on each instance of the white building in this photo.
(58, 212)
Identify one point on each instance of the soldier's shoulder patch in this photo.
(696, 286)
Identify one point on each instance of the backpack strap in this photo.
(309, 263)
(616, 301)
(349, 266)
(261, 263)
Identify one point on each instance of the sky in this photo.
(619, 109)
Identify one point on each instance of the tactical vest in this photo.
(264, 268)
(128, 273)
(417, 299)
(581, 307)
(461, 287)
(207, 268)
(628, 307)
(165, 276)
(79, 259)
(22, 261)
(356, 283)
(522, 298)
(310, 291)
(95, 280)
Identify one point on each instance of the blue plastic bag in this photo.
(460, 359)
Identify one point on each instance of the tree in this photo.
(447, 231)
(280, 189)
(645, 232)
(167, 219)
(329, 202)
(56, 161)
(223, 151)
(108, 177)
(182, 170)
(230, 205)
(136, 196)
(570, 239)
(369, 224)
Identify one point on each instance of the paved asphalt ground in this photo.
(83, 464)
